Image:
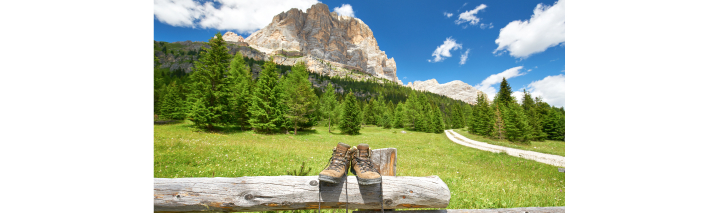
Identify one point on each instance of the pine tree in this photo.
(399, 115)
(379, 106)
(264, 109)
(486, 119)
(467, 114)
(530, 108)
(504, 96)
(411, 111)
(368, 113)
(516, 126)
(498, 128)
(475, 118)
(171, 105)
(388, 116)
(238, 83)
(208, 85)
(327, 106)
(428, 117)
(350, 121)
(300, 99)
(456, 116)
(439, 124)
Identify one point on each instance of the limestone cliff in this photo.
(456, 89)
(321, 36)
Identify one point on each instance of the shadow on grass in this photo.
(163, 122)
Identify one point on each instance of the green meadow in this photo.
(477, 179)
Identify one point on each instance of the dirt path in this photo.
(530, 155)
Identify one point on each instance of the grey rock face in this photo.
(324, 36)
(456, 89)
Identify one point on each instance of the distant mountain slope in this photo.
(456, 89)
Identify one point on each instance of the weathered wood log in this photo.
(554, 209)
(385, 161)
(271, 193)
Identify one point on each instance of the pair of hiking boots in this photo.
(357, 159)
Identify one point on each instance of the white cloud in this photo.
(345, 10)
(447, 14)
(518, 96)
(486, 85)
(488, 26)
(469, 16)
(464, 57)
(443, 51)
(244, 16)
(546, 28)
(551, 89)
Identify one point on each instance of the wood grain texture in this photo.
(558, 209)
(385, 161)
(271, 193)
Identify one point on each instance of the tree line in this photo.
(222, 92)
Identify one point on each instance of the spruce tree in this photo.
(238, 83)
(369, 113)
(457, 119)
(504, 96)
(498, 128)
(467, 114)
(530, 108)
(208, 85)
(172, 105)
(410, 111)
(350, 121)
(300, 96)
(516, 126)
(399, 115)
(388, 117)
(327, 106)
(439, 124)
(486, 119)
(379, 106)
(428, 117)
(264, 109)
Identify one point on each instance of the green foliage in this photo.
(388, 116)
(329, 106)
(208, 85)
(399, 115)
(504, 96)
(369, 113)
(516, 125)
(457, 117)
(265, 110)
(350, 121)
(438, 123)
(300, 96)
(238, 83)
(534, 118)
(498, 125)
(172, 105)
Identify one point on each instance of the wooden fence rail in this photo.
(272, 193)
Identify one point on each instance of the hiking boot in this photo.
(338, 164)
(362, 167)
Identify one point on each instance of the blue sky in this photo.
(530, 53)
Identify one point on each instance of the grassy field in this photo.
(547, 147)
(477, 179)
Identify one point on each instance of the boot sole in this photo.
(329, 179)
(363, 181)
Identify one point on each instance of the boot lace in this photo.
(339, 164)
(365, 163)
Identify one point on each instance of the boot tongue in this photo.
(363, 150)
(342, 148)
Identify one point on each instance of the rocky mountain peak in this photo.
(456, 89)
(323, 35)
